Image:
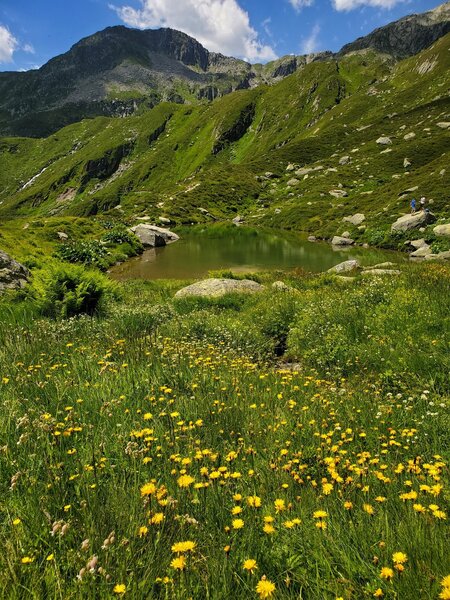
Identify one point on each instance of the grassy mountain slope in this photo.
(172, 160)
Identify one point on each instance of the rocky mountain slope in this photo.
(358, 134)
(121, 71)
(408, 35)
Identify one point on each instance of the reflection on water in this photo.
(194, 255)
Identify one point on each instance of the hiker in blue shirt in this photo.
(413, 206)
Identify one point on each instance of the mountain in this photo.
(121, 71)
(408, 35)
(357, 134)
(118, 71)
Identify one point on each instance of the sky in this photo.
(33, 31)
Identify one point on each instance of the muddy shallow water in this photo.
(195, 254)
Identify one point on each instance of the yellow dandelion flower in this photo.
(50, 557)
(143, 531)
(445, 582)
(157, 518)
(238, 523)
(120, 589)
(187, 546)
(236, 510)
(16, 522)
(321, 524)
(254, 501)
(250, 565)
(265, 588)
(179, 563)
(26, 560)
(320, 514)
(419, 508)
(368, 508)
(268, 528)
(399, 557)
(148, 489)
(348, 505)
(386, 573)
(280, 505)
(378, 593)
(445, 594)
(185, 481)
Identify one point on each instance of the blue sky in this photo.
(33, 31)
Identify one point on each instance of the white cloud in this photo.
(346, 5)
(8, 45)
(310, 44)
(29, 49)
(299, 4)
(220, 25)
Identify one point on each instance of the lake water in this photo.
(241, 250)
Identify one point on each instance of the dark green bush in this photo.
(70, 290)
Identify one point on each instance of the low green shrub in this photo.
(70, 290)
(88, 252)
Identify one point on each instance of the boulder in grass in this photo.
(384, 140)
(442, 230)
(13, 275)
(355, 219)
(342, 241)
(152, 236)
(214, 288)
(413, 221)
(345, 267)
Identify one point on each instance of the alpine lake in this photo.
(242, 250)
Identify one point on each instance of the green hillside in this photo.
(172, 160)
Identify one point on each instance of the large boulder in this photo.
(152, 236)
(345, 267)
(443, 230)
(215, 288)
(342, 241)
(13, 275)
(414, 221)
(355, 219)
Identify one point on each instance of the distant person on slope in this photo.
(413, 206)
(422, 203)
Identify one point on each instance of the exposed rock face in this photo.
(384, 140)
(355, 219)
(407, 36)
(152, 236)
(13, 275)
(345, 267)
(444, 124)
(442, 230)
(413, 221)
(219, 287)
(342, 241)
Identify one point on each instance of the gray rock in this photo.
(152, 236)
(384, 140)
(418, 243)
(385, 265)
(421, 252)
(406, 163)
(13, 275)
(290, 168)
(164, 220)
(345, 267)
(345, 160)
(293, 182)
(238, 220)
(338, 193)
(215, 288)
(62, 236)
(346, 234)
(413, 221)
(444, 125)
(342, 241)
(355, 219)
(312, 238)
(409, 136)
(371, 272)
(442, 230)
